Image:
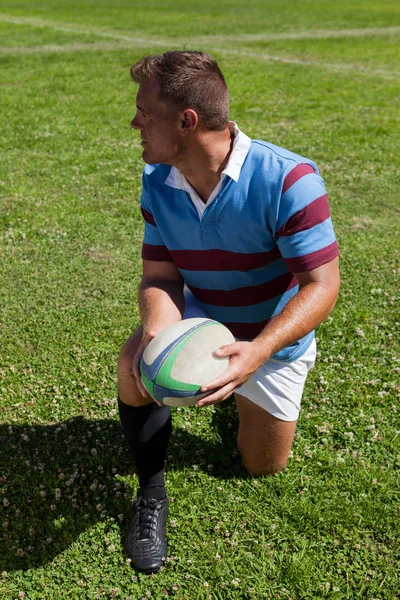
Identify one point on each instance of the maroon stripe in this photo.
(222, 260)
(148, 217)
(246, 296)
(312, 260)
(246, 331)
(296, 174)
(152, 252)
(314, 213)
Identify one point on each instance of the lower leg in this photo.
(147, 429)
(146, 426)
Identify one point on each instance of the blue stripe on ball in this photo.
(151, 371)
(161, 392)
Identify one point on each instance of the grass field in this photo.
(321, 78)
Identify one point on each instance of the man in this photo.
(236, 230)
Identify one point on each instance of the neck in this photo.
(204, 162)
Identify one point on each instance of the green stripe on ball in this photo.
(164, 378)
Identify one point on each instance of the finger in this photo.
(138, 357)
(136, 371)
(218, 396)
(141, 388)
(227, 350)
(215, 401)
(148, 337)
(136, 367)
(229, 375)
(137, 377)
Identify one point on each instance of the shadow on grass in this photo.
(58, 480)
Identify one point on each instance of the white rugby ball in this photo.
(180, 360)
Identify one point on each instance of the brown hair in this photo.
(188, 79)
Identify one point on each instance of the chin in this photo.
(147, 159)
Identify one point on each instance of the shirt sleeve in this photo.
(153, 247)
(304, 234)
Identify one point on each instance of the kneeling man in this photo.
(237, 230)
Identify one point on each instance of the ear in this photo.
(189, 121)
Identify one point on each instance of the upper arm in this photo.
(153, 247)
(327, 275)
(164, 271)
(304, 233)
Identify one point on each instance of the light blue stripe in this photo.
(152, 236)
(294, 351)
(305, 242)
(300, 194)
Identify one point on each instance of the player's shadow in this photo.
(58, 480)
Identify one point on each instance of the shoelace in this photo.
(144, 520)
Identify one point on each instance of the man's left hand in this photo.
(245, 358)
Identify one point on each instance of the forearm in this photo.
(303, 313)
(161, 303)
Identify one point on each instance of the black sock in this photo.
(157, 493)
(147, 431)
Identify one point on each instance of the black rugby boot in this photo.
(145, 542)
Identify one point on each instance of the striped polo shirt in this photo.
(267, 219)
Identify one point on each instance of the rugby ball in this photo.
(179, 360)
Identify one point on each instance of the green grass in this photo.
(70, 235)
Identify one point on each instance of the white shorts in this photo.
(277, 386)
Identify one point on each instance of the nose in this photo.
(135, 123)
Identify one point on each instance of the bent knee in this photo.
(127, 388)
(127, 352)
(124, 365)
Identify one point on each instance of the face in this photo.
(158, 125)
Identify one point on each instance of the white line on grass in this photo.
(66, 48)
(123, 45)
(289, 35)
(313, 63)
(310, 34)
(128, 42)
(76, 29)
